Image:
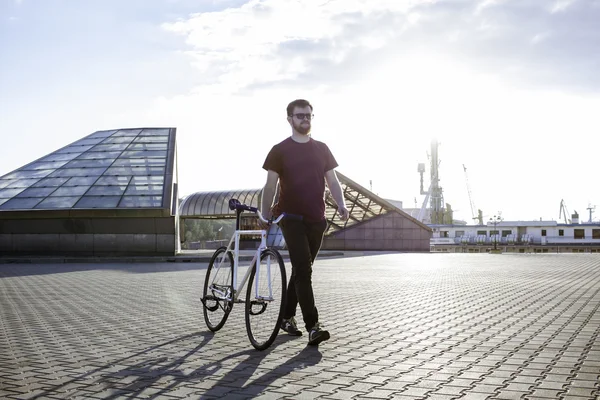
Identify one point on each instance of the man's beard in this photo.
(303, 130)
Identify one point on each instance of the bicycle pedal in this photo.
(263, 307)
(210, 308)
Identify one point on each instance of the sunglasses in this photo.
(302, 116)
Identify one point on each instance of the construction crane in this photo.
(564, 212)
(591, 209)
(479, 217)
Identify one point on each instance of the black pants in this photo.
(303, 240)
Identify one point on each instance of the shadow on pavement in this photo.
(152, 373)
(144, 373)
(240, 380)
(152, 379)
(15, 270)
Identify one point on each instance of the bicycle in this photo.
(267, 284)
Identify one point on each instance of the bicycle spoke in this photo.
(217, 296)
(265, 299)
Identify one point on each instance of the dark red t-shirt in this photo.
(301, 168)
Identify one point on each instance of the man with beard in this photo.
(301, 166)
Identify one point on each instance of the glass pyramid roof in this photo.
(126, 168)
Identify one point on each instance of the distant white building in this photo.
(517, 236)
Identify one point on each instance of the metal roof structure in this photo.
(215, 205)
(362, 204)
(113, 169)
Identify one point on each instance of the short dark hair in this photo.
(297, 103)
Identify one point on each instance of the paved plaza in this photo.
(403, 326)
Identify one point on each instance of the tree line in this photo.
(199, 230)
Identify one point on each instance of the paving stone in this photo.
(474, 396)
(546, 393)
(510, 395)
(582, 392)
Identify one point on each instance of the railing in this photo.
(570, 240)
(513, 240)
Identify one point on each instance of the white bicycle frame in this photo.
(235, 239)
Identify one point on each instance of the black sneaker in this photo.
(317, 335)
(289, 325)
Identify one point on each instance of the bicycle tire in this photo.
(263, 314)
(215, 309)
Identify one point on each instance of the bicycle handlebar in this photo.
(234, 204)
(269, 221)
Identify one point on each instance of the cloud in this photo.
(272, 41)
(561, 5)
(268, 42)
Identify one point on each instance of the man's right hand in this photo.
(264, 225)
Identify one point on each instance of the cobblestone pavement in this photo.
(406, 326)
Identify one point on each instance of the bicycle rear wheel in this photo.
(217, 298)
(265, 299)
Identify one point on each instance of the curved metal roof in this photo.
(216, 204)
(362, 204)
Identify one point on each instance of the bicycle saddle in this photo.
(233, 204)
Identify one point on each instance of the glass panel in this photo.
(28, 174)
(78, 172)
(70, 191)
(22, 183)
(135, 171)
(222, 203)
(87, 141)
(128, 132)
(99, 155)
(98, 202)
(58, 202)
(153, 132)
(110, 147)
(151, 139)
(113, 180)
(59, 157)
(21, 203)
(147, 180)
(139, 162)
(74, 149)
(36, 192)
(2, 201)
(144, 154)
(107, 191)
(82, 181)
(100, 134)
(50, 182)
(147, 146)
(144, 189)
(90, 163)
(5, 182)
(118, 139)
(8, 193)
(44, 165)
(141, 201)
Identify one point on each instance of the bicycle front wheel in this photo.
(265, 299)
(218, 289)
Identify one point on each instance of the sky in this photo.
(509, 89)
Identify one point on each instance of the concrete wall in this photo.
(88, 236)
(391, 231)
